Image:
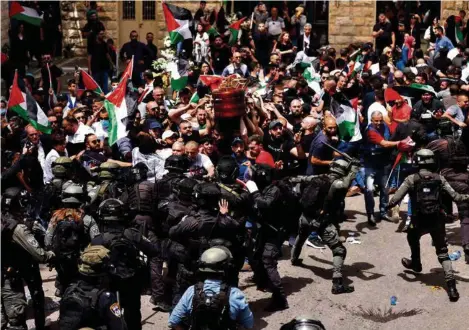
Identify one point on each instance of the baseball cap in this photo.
(62, 97)
(154, 124)
(275, 123)
(236, 141)
(168, 134)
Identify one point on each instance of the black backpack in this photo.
(141, 198)
(124, 258)
(314, 194)
(78, 308)
(457, 154)
(67, 239)
(210, 311)
(427, 194)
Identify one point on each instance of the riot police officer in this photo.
(425, 189)
(453, 160)
(270, 214)
(21, 254)
(321, 200)
(212, 303)
(176, 165)
(174, 209)
(89, 302)
(226, 172)
(125, 245)
(199, 231)
(109, 187)
(67, 234)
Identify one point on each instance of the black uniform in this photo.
(270, 208)
(127, 275)
(85, 305)
(197, 233)
(425, 189)
(20, 256)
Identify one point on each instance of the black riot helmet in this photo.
(139, 172)
(112, 209)
(207, 196)
(262, 175)
(227, 170)
(445, 127)
(11, 200)
(425, 158)
(185, 188)
(176, 164)
(303, 323)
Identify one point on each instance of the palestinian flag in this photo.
(213, 82)
(211, 31)
(179, 74)
(234, 29)
(177, 21)
(346, 117)
(116, 107)
(459, 37)
(24, 104)
(195, 98)
(311, 77)
(90, 83)
(25, 14)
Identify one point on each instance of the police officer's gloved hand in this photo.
(251, 186)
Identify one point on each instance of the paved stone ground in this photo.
(373, 267)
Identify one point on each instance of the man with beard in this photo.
(93, 155)
(239, 155)
(426, 110)
(261, 43)
(220, 55)
(207, 147)
(76, 132)
(296, 115)
(93, 26)
(139, 51)
(280, 145)
(236, 67)
(319, 154)
(99, 60)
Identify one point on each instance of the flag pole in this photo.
(252, 20)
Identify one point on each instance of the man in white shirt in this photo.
(198, 161)
(379, 105)
(58, 150)
(76, 132)
(275, 24)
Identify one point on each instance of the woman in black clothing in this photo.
(19, 54)
(286, 48)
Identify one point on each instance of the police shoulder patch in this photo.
(116, 309)
(32, 241)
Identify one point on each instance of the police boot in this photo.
(453, 293)
(338, 286)
(409, 264)
(277, 303)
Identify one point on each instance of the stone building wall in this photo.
(449, 8)
(74, 19)
(5, 22)
(351, 21)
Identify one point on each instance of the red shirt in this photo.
(374, 137)
(265, 158)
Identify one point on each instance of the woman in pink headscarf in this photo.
(407, 51)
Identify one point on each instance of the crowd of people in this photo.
(190, 196)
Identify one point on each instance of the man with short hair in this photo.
(239, 154)
(220, 55)
(153, 50)
(275, 24)
(377, 160)
(256, 153)
(76, 133)
(236, 67)
(320, 155)
(187, 133)
(458, 112)
(426, 111)
(99, 61)
(178, 148)
(199, 163)
(139, 51)
(383, 33)
(93, 155)
(441, 41)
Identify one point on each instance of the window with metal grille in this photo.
(148, 10)
(128, 10)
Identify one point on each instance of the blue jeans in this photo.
(102, 78)
(379, 175)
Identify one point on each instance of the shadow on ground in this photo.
(291, 285)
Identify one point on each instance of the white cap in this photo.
(167, 134)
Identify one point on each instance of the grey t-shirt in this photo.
(456, 112)
(274, 27)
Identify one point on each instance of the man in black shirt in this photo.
(382, 32)
(55, 74)
(99, 61)
(262, 43)
(93, 156)
(140, 53)
(220, 55)
(92, 27)
(153, 50)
